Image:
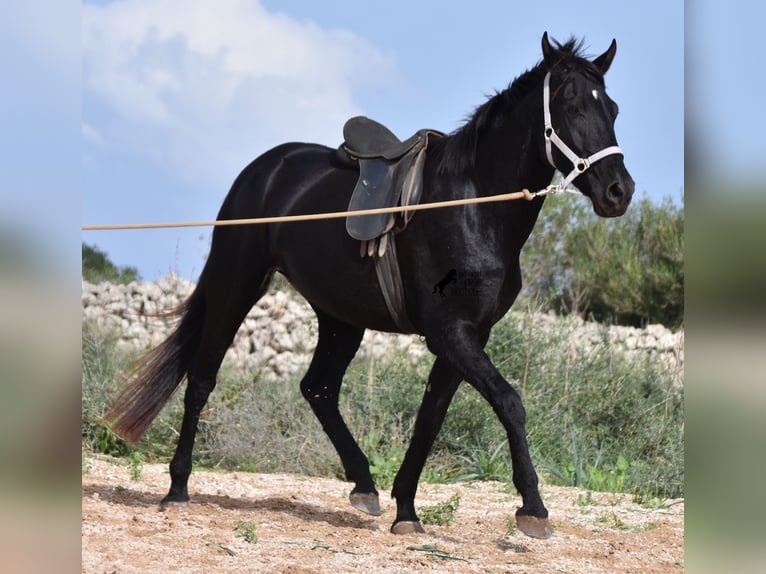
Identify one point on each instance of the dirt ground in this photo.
(306, 525)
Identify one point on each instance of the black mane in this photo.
(459, 149)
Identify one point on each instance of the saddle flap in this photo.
(374, 189)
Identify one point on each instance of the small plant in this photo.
(611, 480)
(435, 476)
(510, 525)
(648, 500)
(586, 499)
(136, 465)
(245, 529)
(385, 465)
(485, 465)
(611, 520)
(441, 514)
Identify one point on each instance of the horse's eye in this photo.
(572, 110)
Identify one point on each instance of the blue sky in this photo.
(178, 96)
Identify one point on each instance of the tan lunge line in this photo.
(523, 194)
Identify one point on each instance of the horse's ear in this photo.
(549, 52)
(605, 60)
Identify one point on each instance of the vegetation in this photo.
(97, 268)
(628, 271)
(245, 529)
(442, 514)
(598, 419)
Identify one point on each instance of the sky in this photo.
(178, 96)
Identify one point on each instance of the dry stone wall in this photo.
(279, 334)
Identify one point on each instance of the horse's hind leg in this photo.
(227, 302)
(337, 344)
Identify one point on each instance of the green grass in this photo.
(600, 420)
(135, 463)
(484, 465)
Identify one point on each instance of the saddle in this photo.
(390, 174)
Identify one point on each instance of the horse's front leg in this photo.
(443, 381)
(462, 347)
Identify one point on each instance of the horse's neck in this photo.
(510, 156)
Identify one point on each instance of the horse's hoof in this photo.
(168, 503)
(407, 527)
(173, 505)
(533, 526)
(366, 502)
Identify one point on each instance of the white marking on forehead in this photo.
(595, 94)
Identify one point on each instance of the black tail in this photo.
(159, 373)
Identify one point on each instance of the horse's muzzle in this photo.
(616, 198)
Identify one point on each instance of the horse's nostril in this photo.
(615, 192)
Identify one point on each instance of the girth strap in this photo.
(390, 280)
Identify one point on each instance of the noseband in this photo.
(580, 164)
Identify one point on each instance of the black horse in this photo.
(513, 141)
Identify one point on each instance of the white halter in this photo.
(580, 164)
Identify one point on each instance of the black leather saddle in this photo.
(390, 174)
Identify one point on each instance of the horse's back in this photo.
(272, 182)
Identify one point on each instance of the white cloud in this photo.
(201, 87)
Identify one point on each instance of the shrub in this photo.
(627, 270)
(101, 362)
(97, 268)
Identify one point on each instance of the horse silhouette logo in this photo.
(450, 277)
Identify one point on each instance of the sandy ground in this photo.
(306, 525)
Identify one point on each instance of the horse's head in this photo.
(579, 127)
